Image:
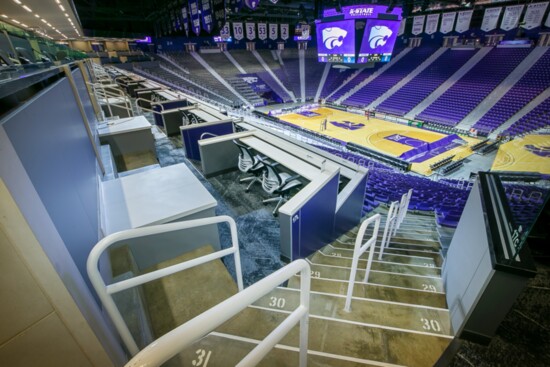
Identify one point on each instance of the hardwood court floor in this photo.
(528, 154)
(374, 134)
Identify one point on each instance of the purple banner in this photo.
(363, 11)
(252, 4)
(380, 36)
(336, 38)
(206, 15)
(195, 16)
(218, 9)
(185, 20)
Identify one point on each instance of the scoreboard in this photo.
(357, 34)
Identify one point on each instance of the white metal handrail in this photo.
(359, 249)
(184, 335)
(105, 292)
(391, 219)
(402, 212)
(105, 93)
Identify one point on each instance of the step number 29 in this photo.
(202, 358)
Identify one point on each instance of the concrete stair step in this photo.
(399, 238)
(397, 251)
(348, 338)
(375, 312)
(386, 257)
(222, 350)
(428, 269)
(175, 299)
(408, 281)
(375, 291)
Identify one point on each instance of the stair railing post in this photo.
(388, 228)
(358, 250)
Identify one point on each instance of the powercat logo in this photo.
(333, 37)
(379, 35)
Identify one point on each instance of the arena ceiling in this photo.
(136, 18)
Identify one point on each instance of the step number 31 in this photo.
(202, 358)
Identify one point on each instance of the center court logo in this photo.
(334, 37)
(379, 35)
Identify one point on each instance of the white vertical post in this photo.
(358, 250)
(388, 228)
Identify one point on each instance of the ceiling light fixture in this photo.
(27, 8)
(4, 16)
(36, 15)
(44, 20)
(17, 2)
(16, 21)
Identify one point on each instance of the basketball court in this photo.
(390, 138)
(528, 154)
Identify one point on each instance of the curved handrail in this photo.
(359, 250)
(184, 335)
(105, 292)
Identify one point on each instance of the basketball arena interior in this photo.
(275, 183)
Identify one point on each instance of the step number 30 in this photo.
(430, 324)
(202, 358)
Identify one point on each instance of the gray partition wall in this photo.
(482, 279)
(48, 163)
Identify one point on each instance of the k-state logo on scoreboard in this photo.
(334, 37)
(379, 35)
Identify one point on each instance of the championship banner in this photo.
(533, 15)
(251, 31)
(418, 24)
(238, 31)
(262, 31)
(490, 19)
(431, 23)
(224, 32)
(273, 32)
(402, 27)
(195, 16)
(284, 31)
(447, 22)
(206, 15)
(463, 21)
(510, 20)
(252, 4)
(184, 20)
(218, 12)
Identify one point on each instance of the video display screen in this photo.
(378, 41)
(336, 41)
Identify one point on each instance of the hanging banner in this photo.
(431, 23)
(238, 31)
(447, 22)
(533, 15)
(224, 32)
(463, 21)
(418, 24)
(206, 15)
(252, 4)
(262, 31)
(251, 31)
(273, 32)
(185, 21)
(218, 13)
(284, 31)
(402, 27)
(490, 19)
(510, 20)
(195, 16)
